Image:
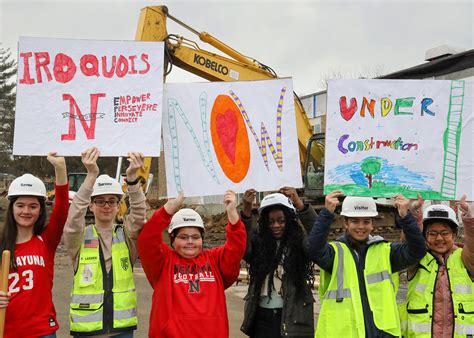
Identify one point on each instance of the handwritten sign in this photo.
(73, 94)
(386, 137)
(230, 135)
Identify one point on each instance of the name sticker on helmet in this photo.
(361, 207)
(102, 184)
(187, 219)
(26, 184)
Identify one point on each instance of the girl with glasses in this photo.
(440, 301)
(103, 298)
(189, 282)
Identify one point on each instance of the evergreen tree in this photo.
(7, 110)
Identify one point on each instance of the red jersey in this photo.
(30, 312)
(188, 298)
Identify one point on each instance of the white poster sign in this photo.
(230, 135)
(386, 137)
(74, 94)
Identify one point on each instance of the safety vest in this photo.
(417, 311)
(87, 299)
(341, 312)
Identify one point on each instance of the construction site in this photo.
(209, 58)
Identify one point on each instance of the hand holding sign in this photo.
(332, 200)
(465, 208)
(230, 202)
(135, 160)
(248, 199)
(173, 204)
(402, 203)
(89, 159)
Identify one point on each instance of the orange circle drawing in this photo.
(230, 138)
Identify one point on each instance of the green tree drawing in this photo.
(370, 167)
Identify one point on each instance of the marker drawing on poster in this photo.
(386, 137)
(74, 94)
(234, 135)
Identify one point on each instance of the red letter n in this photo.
(73, 109)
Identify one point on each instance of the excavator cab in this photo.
(313, 175)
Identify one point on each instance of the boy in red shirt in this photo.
(189, 282)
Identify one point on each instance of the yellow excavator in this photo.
(186, 54)
(234, 66)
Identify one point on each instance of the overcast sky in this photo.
(307, 40)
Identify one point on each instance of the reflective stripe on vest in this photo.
(341, 292)
(88, 293)
(379, 277)
(87, 299)
(418, 309)
(341, 313)
(464, 329)
(88, 318)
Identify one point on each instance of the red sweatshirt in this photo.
(188, 297)
(31, 312)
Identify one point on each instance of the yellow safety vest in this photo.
(417, 311)
(341, 312)
(87, 298)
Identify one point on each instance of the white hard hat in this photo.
(440, 212)
(105, 185)
(185, 218)
(276, 199)
(27, 185)
(354, 206)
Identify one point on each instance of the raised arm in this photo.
(53, 232)
(135, 220)
(74, 229)
(232, 252)
(404, 255)
(246, 217)
(320, 251)
(151, 248)
(468, 223)
(305, 212)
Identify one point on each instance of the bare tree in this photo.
(341, 73)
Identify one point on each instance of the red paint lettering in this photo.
(347, 113)
(64, 68)
(89, 65)
(144, 58)
(74, 109)
(108, 73)
(42, 61)
(122, 66)
(132, 64)
(26, 79)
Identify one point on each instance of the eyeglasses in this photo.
(444, 233)
(102, 203)
(186, 238)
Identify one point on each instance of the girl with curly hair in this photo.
(279, 301)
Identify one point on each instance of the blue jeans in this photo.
(121, 335)
(52, 335)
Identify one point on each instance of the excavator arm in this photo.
(187, 55)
